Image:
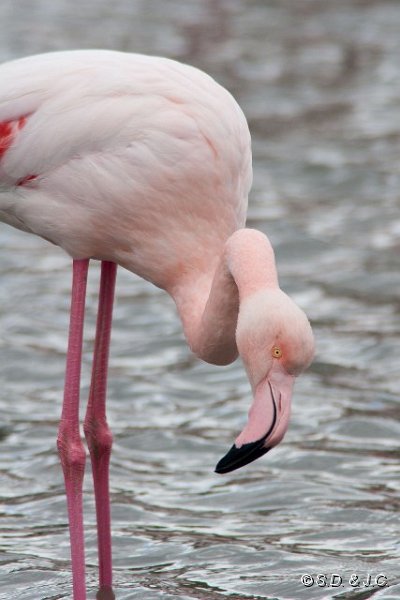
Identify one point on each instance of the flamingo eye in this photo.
(276, 352)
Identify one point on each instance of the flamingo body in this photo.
(107, 134)
(145, 163)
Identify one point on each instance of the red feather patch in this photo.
(8, 130)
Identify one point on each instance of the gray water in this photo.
(320, 84)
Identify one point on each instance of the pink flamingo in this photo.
(145, 163)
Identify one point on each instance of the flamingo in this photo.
(145, 163)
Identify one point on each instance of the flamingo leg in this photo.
(97, 431)
(70, 446)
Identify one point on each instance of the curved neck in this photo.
(208, 303)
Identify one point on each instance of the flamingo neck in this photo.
(208, 303)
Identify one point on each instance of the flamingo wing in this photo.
(87, 136)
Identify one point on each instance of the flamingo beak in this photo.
(267, 424)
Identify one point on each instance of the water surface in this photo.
(320, 85)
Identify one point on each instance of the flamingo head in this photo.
(275, 342)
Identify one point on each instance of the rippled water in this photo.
(320, 84)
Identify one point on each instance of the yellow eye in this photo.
(276, 352)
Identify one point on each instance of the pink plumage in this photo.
(144, 162)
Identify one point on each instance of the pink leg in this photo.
(70, 446)
(97, 432)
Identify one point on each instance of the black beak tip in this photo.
(239, 457)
